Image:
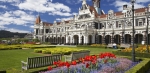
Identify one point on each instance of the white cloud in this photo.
(17, 17)
(32, 26)
(60, 19)
(3, 6)
(45, 6)
(10, 1)
(17, 30)
(2, 27)
(119, 4)
(75, 1)
(142, 1)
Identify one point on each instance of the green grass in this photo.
(10, 60)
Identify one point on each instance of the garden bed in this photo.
(102, 63)
(20, 46)
(63, 51)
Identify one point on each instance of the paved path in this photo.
(60, 45)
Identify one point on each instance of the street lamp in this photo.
(133, 31)
(147, 13)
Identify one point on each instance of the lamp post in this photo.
(133, 31)
(147, 13)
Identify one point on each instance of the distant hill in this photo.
(8, 34)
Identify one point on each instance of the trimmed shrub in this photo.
(142, 67)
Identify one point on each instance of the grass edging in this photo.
(142, 67)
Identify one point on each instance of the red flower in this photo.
(74, 62)
(94, 62)
(50, 68)
(87, 65)
(67, 64)
(55, 63)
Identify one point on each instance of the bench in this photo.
(125, 46)
(109, 46)
(76, 55)
(36, 62)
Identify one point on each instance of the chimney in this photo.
(125, 7)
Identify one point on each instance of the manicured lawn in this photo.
(10, 60)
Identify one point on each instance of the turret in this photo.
(38, 20)
(96, 4)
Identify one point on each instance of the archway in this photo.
(99, 39)
(59, 40)
(117, 39)
(107, 39)
(127, 38)
(138, 38)
(82, 40)
(50, 39)
(54, 40)
(90, 39)
(63, 40)
(76, 39)
(46, 40)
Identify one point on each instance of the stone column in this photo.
(80, 39)
(86, 40)
(103, 38)
(122, 38)
(93, 39)
(144, 37)
(112, 38)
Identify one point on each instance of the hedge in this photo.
(144, 55)
(142, 67)
(91, 46)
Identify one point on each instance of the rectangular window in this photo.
(119, 26)
(140, 23)
(37, 31)
(47, 30)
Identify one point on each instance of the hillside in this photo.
(8, 34)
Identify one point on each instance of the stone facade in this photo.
(92, 25)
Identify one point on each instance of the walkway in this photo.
(59, 45)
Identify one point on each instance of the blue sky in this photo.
(20, 15)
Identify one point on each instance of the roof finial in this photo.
(84, 2)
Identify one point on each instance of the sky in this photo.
(20, 15)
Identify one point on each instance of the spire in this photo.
(38, 19)
(84, 2)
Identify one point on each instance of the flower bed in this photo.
(20, 46)
(64, 51)
(102, 63)
(140, 49)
